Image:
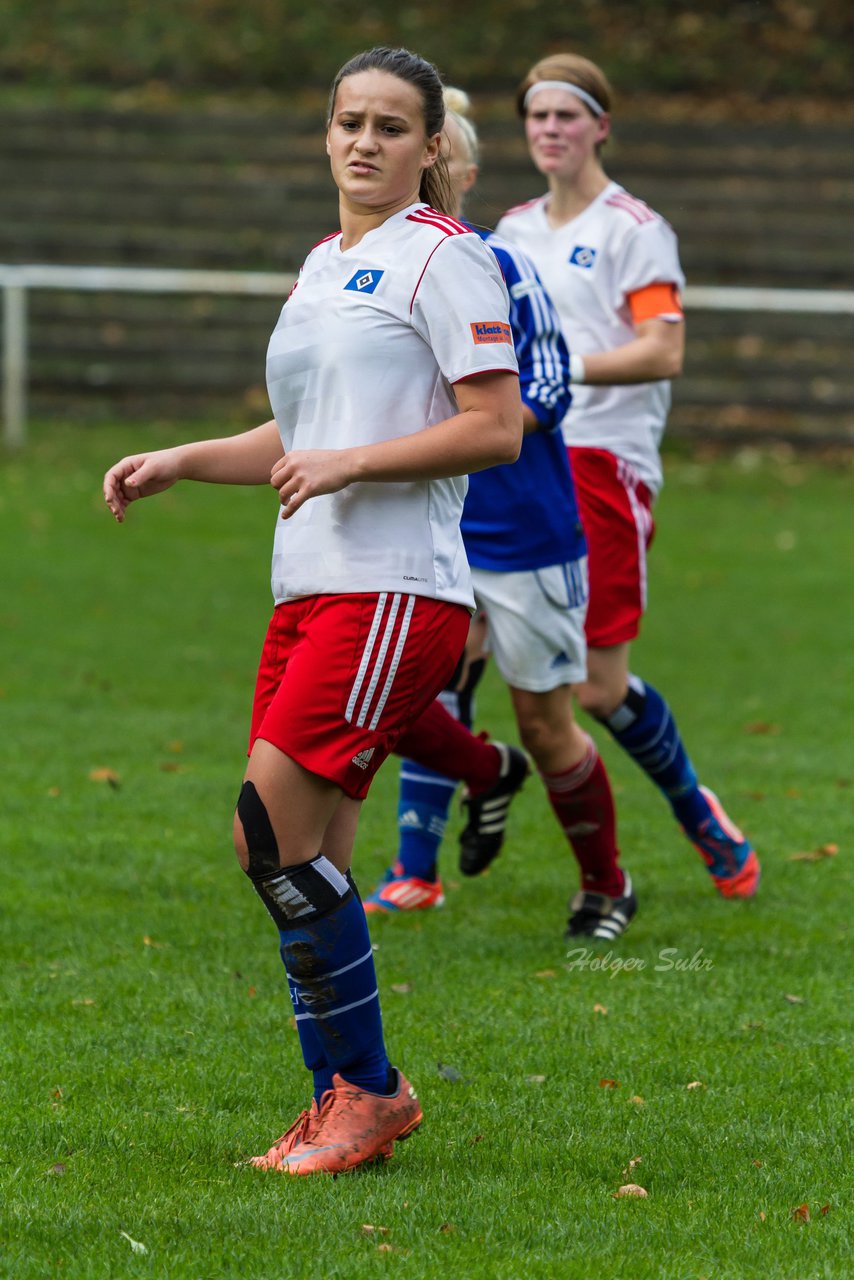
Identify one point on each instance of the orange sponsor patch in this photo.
(491, 331)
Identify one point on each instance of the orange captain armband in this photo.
(654, 301)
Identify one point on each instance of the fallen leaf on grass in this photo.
(794, 999)
(814, 855)
(401, 988)
(368, 1229)
(149, 942)
(758, 1164)
(635, 1160)
(171, 766)
(546, 973)
(761, 1215)
(87, 1001)
(801, 1213)
(535, 1079)
(251, 992)
(57, 1170)
(631, 1189)
(824, 1210)
(391, 1248)
(761, 727)
(175, 747)
(609, 1084)
(637, 1100)
(478, 1137)
(446, 1228)
(136, 1245)
(53, 792)
(106, 775)
(695, 1084)
(600, 1008)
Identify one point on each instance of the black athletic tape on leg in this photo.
(258, 832)
(295, 896)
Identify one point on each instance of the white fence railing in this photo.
(17, 280)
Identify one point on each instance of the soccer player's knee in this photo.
(254, 838)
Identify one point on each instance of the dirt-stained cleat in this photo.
(353, 1127)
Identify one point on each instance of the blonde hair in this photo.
(573, 69)
(458, 105)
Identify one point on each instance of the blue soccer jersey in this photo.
(524, 515)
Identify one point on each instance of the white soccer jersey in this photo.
(589, 266)
(366, 349)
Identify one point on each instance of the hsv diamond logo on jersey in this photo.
(491, 331)
(365, 280)
(583, 256)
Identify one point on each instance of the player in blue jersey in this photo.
(527, 552)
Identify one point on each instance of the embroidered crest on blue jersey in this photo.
(365, 280)
(583, 256)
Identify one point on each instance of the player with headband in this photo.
(611, 266)
(391, 375)
(528, 556)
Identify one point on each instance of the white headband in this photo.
(588, 99)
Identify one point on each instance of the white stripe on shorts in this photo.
(366, 657)
(395, 662)
(376, 663)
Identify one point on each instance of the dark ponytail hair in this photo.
(435, 187)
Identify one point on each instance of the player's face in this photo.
(562, 133)
(376, 141)
(462, 174)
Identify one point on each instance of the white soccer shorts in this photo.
(535, 622)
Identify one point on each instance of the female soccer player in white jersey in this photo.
(525, 544)
(391, 373)
(611, 266)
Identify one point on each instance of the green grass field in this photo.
(146, 1040)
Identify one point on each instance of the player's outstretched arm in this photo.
(242, 459)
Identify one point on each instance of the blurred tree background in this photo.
(189, 134)
(763, 50)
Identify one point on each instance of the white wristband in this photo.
(576, 368)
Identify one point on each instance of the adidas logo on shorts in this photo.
(363, 758)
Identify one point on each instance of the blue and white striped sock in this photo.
(333, 984)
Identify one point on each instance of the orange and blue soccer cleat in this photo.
(400, 892)
(726, 851)
(299, 1130)
(353, 1127)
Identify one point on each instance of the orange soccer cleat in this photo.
(353, 1127)
(726, 851)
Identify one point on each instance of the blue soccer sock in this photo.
(327, 954)
(424, 799)
(422, 815)
(643, 725)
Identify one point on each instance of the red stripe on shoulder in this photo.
(333, 235)
(520, 208)
(433, 218)
(632, 206)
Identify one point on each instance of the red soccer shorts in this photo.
(342, 677)
(616, 511)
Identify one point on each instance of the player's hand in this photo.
(139, 476)
(306, 473)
